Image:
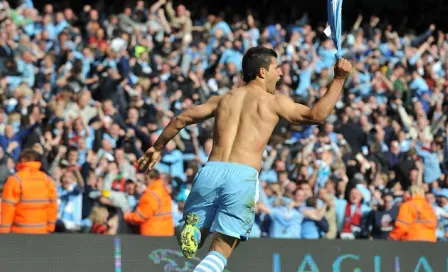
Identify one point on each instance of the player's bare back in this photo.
(244, 121)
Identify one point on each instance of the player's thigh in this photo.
(202, 199)
(235, 214)
(224, 244)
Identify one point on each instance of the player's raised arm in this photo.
(191, 116)
(300, 114)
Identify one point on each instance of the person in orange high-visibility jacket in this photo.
(154, 212)
(416, 219)
(29, 201)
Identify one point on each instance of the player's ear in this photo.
(262, 72)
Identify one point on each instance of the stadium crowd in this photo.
(90, 92)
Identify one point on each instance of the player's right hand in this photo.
(147, 161)
(342, 69)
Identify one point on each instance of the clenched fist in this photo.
(342, 69)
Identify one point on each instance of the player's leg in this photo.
(224, 244)
(199, 212)
(220, 250)
(235, 216)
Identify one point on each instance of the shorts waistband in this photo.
(232, 165)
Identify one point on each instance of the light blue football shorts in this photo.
(224, 196)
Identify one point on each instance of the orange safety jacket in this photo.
(416, 221)
(29, 201)
(154, 211)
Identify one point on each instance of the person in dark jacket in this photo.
(380, 222)
(15, 139)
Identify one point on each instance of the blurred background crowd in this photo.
(90, 92)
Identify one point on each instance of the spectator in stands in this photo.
(28, 199)
(416, 219)
(427, 153)
(101, 224)
(382, 219)
(314, 224)
(92, 191)
(325, 196)
(442, 215)
(113, 189)
(351, 215)
(172, 161)
(11, 142)
(285, 222)
(70, 203)
(154, 211)
(126, 169)
(6, 167)
(132, 193)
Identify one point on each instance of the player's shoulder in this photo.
(280, 99)
(281, 103)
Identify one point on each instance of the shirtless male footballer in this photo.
(225, 191)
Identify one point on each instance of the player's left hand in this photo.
(147, 161)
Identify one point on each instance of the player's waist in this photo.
(232, 165)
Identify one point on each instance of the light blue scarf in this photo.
(335, 23)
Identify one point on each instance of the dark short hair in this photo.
(254, 59)
(28, 155)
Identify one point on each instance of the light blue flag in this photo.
(335, 23)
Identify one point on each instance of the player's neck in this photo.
(255, 84)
